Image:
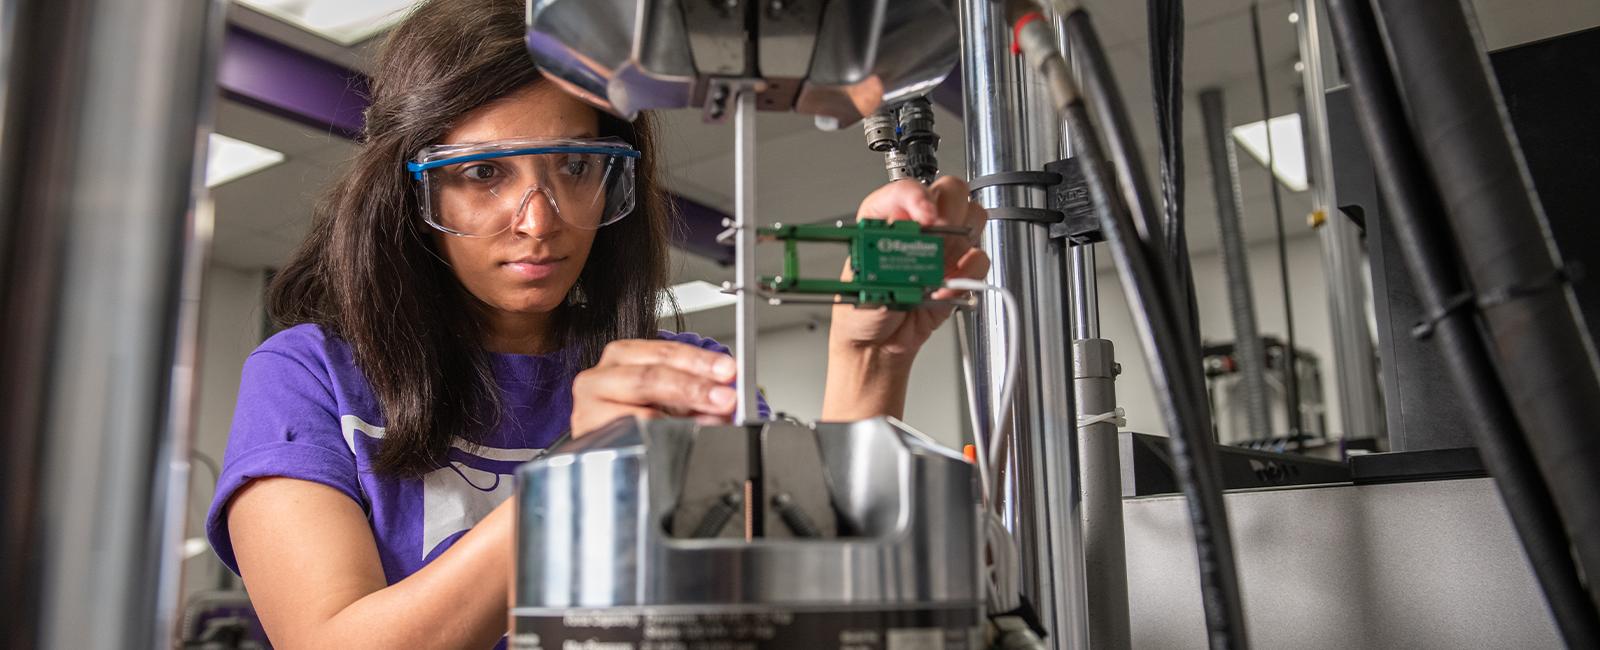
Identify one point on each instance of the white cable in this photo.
(1008, 384)
(1004, 575)
(972, 407)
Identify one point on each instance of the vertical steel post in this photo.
(1094, 371)
(1011, 126)
(744, 162)
(1359, 408)
(108, 106)
(1247, 347)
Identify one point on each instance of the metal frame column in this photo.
(105, 232)
(1360, 410)
(1011, 126)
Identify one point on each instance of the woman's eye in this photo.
(577, 167)
(479, 172)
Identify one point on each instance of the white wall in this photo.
(1312, 328)
(793, 368)
(231, 328)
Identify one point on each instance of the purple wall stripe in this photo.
(284, 81)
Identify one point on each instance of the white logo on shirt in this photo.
(458, 496)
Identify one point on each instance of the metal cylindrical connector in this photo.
(880, 130)
(898, 164)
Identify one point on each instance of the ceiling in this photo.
(804, 174)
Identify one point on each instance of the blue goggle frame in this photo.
(417, 168)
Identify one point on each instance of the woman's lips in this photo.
(530, 268)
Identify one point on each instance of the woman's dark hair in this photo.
(368, 271)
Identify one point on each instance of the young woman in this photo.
(485, 276)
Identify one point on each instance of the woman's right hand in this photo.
(654, 378)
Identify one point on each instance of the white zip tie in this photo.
(1114, 417)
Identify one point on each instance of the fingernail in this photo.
(725, 367)
(722, 396)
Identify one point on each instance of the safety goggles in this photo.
(483, 189)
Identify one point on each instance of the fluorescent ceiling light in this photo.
(227, 159)
(698, 295)
(1290, 165)
(346, 22)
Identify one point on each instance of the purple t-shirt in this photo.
(305, 411)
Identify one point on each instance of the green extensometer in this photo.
(893, 264)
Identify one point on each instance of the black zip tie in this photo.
(1568, 274)
(1571, 273)
(1423, 330)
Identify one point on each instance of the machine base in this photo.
(747, 628)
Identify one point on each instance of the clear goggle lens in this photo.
(484, 189)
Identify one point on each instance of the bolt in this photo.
(718, 514)
(794, 516)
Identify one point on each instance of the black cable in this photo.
(1542, 351)
(1102, 96)
(1160, 311)
(1181, 390)
(1166, 81)
(1417, 213)
(1291, 374)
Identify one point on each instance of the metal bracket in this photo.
(1070, 196)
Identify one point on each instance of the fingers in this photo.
(679, 356)
(974, 265)
(659, 386)
(647, 378)
(902, 199)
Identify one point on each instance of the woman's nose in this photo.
(538, 216)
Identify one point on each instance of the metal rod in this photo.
(744, 192)
(1247, 348)
(1085, 293)
(1417, 213)
(1010, 127)
(1291, 359)
(1360, 408)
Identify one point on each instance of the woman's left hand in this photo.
(944, 203)
(870, 350)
